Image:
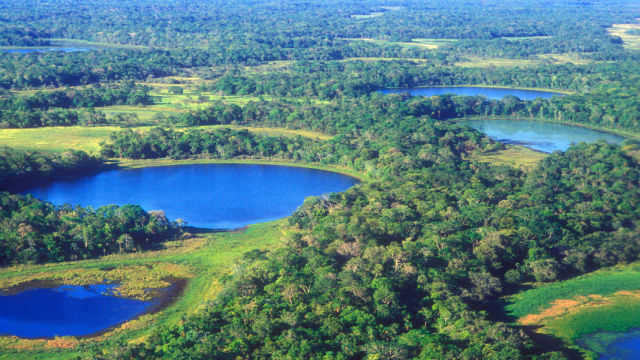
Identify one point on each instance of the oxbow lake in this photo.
(65, 311)
(215, 196)
(489, 92)
(541, 136)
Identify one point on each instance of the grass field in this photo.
(369, 16)
(72, 42)
(58, 139)
(630, 41)
(605, 300)
(421, 43)
(206, 258)
(520, 38)
(541, 59)
(515, 156)
(603, 282)
(383, 59)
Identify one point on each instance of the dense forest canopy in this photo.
(402, 266)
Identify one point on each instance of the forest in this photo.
(417, 260)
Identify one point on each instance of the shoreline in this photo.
(165, 298)
(625, 134)
(559, 92)
(116, 164)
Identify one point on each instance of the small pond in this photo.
(215, 196)
(613, 346)
(65, 311)
(541, 136)
(490, 92)
(65, 49)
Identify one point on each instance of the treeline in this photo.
(20, 168)
(126, 93)
(218, 143)
(32, 230)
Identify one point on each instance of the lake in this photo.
(66, 49)
(538, 135)
(65, 311)
(490, 92)
(215, 196)
(613, 346)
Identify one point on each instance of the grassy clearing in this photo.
(567, 58)
(630, 41)
(433, 43)
(520, 38)
(425, 43)
(616, 313)
(133, 164)
(602, 282)
(208, 257)
(515, 156)
(72, 42)
(382, 59)
(58, 139)
(372, 15)
(605, 300)
(477, 62)
(474, 62)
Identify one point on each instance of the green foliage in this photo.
(36, 231)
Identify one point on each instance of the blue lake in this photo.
(65, 311)
(67, 49)
(613, 346)
(538, 135)
(215, 196)
(491, 93)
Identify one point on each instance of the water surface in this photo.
(613, 346)
(490, 92)
(65, 49)
(65, 311)
(216, 196)
(542, 136)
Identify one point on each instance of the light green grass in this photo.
(520, 38)
(366, 59)
(616, 314)
(515, 156)
(474, 62)
(369, 16)
(211, 257)
(72, 42)
(477, 62)
(426, 44)
(133, 164)
(606, 300)
(60, 138)
(602, 282)
(631, 42)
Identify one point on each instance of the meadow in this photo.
(629, 41)
(59, 139)
(605, 300)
